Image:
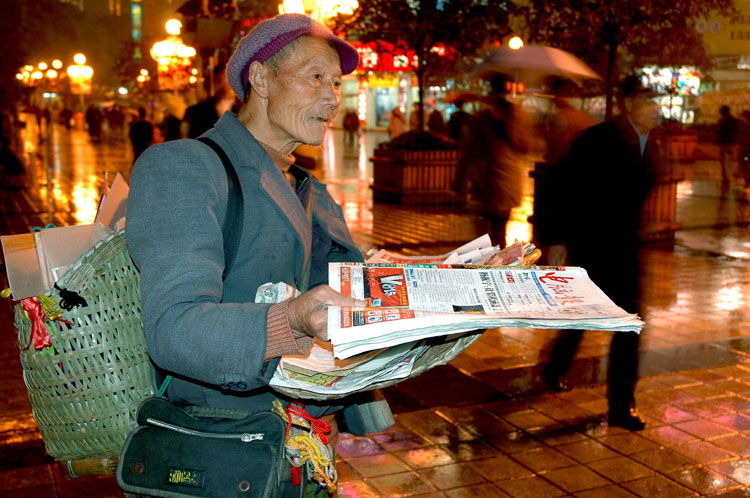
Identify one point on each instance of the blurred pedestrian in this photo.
(414, 117)
(743, 138)
(601, 187)
(396, 123)
(201, 117)
(66, 115)
(559, 129)
(492, 158)
(94, 118)
(141, 133)
(436, 123)
(116, 121)
(563, 125)
(459, 122)
(726, 135)
(351, 127)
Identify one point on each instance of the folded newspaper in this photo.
(420, 317)
(411, 302)
(320, 376)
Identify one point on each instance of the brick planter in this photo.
(415, 177)
(680, 147)
(659, 220)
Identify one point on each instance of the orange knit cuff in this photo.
(280, 340)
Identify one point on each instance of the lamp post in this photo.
(515, 43)
(80, 77)
(173, 58)
(320, 10)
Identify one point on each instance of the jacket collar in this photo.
(245, 152)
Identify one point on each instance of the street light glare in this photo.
(51, 74)
(184, 51)
(42, 66)
(292, 7)
(79, 59)
(57, 64)
(173, 27)
(515, 43)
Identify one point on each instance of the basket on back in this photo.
(86, 387)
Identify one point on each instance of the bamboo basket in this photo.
(85, 388)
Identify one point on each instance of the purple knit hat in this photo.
(270, 36)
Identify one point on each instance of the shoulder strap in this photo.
(231, 230)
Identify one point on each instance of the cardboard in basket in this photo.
(35, 261)
(113, 203)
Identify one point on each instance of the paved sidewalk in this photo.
(484, 425)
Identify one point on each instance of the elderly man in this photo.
(600, 189)
(220, 346)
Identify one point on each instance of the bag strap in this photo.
(231, 230)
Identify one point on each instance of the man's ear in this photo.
(257, 76)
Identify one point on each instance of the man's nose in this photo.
(331, 94)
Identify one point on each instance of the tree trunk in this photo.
(420, 84)
(611, 57)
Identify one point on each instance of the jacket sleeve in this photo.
(176, 208)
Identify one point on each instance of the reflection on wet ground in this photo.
(484, 424)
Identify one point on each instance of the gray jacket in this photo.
(210, 334)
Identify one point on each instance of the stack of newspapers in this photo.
(422, 314)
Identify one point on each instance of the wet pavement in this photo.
(484, 425)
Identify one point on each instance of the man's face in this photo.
(305, 95)
(645, 113)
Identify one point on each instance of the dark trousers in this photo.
(620, 281)
(623, 364)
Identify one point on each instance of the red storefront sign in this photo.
(386, 57)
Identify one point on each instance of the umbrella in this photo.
(533, 61)
(453, 97)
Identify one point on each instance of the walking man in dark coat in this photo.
(600, 191)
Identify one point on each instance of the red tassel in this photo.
(39, 334)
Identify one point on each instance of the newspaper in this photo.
(388, 364)
(411, 302)
(479, 251)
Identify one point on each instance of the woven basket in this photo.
(86, 388)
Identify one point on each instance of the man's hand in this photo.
(308, 312)
(556, 255)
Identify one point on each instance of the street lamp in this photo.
(80, 77)
(515, 43)
(320, 10)
(173, 58)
